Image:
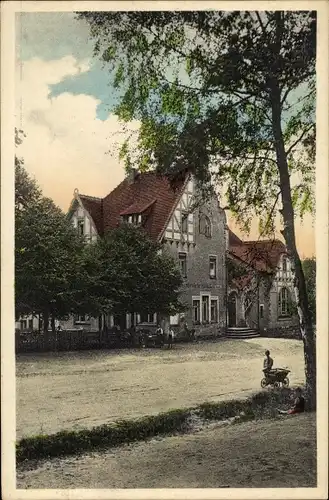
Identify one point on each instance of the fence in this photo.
(70, 340)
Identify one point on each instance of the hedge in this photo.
(63, 443)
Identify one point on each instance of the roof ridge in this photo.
(116, 188)
(253, 242)
(96, 198)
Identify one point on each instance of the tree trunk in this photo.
(305, 319)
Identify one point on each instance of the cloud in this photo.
(66, 144)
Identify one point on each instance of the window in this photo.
(284, 264)
(214, 311)
(205, 225)
(81, 227)
(137, 219)
(261, 311)
(147, 318)
(133, 219)
(283, 302)
(205, 308)
(196, 310)
(248, 302)
(81, 318)
(184, 222)
(30, 324)
(183, 263)
(174, 320)
(213, 267)
(23, 324)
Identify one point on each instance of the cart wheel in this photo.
(285, 382)
(276, 385)
(263, 383)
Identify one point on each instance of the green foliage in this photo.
(48, 258)
(260, 405)
(309, 267)
(235, 270)
(104, 436)
(202, 84)
(134, 274)
(50, 266)
(26, 188)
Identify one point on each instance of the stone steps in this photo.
(241, 333)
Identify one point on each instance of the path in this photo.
(244, 455)
(84, 389)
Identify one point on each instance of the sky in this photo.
(64, 104)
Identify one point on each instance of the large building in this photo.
(196, 235)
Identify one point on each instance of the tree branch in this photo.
(299, 139)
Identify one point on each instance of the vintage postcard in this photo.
(164, 249)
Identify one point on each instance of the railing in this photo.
(70, 340)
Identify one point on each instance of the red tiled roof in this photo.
(137, 208)
(267, 252)
(147, 192)
(233, 239)
(260, 255)
(94, 206)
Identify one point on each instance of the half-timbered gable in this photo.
(181, 224)
(84, 215)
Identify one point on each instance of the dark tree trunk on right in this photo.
(305, 319)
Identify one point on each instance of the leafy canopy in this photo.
(201, 85)
(48, 261)
(26, 188)
(135, 274)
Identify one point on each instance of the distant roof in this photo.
(147, 193)
(233, 239)
(259, 255)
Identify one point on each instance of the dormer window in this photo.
(135, 219)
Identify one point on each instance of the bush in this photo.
(120, 432)
(260, 405)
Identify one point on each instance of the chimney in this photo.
(132, 174)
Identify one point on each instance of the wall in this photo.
(282, 279)
(80, 214)
(73, 323)
(198, 249)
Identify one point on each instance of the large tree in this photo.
(231, 96)
(48, 259)
(135, 274)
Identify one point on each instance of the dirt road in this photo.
(248, 455)
(84, 389)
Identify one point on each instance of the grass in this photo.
(268, 453)
(260, 405)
